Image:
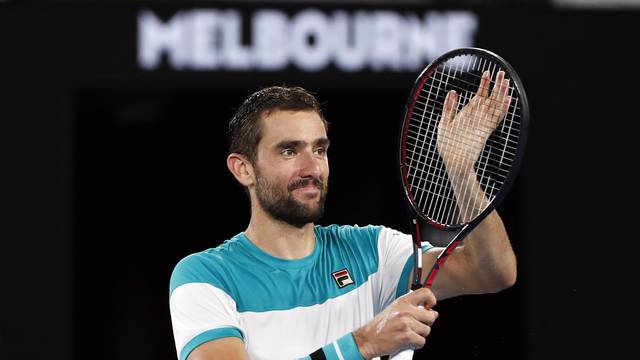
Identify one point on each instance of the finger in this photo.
(506, 104)
(504, 89)
(413, 336)
(418, 335)
(421, 329)
(450, 106)
(485, 81)
(423, 296)
(416, 341)
(497, 86)
(425, 316)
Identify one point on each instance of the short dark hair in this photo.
(245, 130)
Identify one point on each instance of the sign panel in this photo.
(310, 40)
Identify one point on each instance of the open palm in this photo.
(462, 134)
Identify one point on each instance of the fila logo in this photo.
(342, 278)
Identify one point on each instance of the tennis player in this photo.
(285, 288)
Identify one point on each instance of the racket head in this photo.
(424, 178)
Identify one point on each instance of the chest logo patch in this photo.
(342, 278)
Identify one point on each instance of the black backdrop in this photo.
(112, 174)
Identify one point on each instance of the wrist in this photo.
(362, 344)
(458, 168)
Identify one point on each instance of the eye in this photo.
(288, 152)
(321, 151)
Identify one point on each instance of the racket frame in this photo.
(418, 219)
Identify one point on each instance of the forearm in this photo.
(487, 249)
(470, 197)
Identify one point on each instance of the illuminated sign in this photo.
(311, 40)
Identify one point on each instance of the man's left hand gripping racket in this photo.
(461, 143)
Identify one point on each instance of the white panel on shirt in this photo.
(394, 250)
(281, 334)
(297, 332)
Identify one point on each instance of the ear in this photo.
(241, 169)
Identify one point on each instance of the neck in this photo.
(278, 238)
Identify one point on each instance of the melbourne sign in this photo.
(310, 40)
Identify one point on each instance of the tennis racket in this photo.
(461, 144)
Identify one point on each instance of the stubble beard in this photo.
(281, 205)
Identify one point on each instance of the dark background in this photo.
(111, 174)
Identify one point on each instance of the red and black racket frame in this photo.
(423, 227)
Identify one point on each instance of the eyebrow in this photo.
(295, 144)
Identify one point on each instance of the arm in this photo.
(486, 262)
(204, 319)
(233, 349)
(230, 348)
(403, 324)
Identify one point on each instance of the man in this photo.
(286, 288)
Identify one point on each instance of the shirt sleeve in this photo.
(395, 251)
(201, 312)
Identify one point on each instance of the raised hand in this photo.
(462, 134)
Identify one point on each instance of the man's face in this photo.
(292, 169)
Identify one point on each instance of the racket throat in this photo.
(438, 237)
(444, 255)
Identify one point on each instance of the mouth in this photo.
(309, 189)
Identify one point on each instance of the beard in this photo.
(282, 206)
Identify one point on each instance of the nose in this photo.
(310, 165)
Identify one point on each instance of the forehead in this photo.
(291, 125)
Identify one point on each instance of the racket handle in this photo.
(402, 355)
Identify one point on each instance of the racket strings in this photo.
(496, 173)
(440, 206)
(510, 143)
(472, 210)
(509, 148)
(437, 195)
(429, 179)
(511, 112)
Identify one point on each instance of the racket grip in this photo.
(402, 355)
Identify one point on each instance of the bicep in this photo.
(231, 348)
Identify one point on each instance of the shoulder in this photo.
(349, 232)
(210, 266)
(350, 239)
